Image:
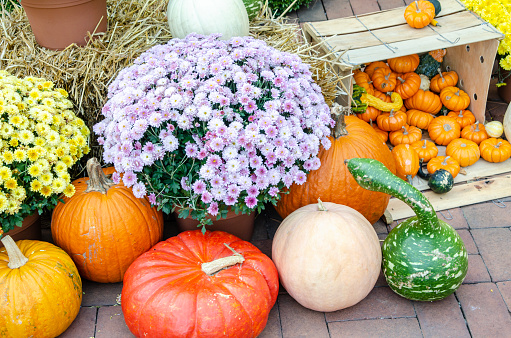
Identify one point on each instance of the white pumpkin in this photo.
(494, 129)
(328, 256)
(228, 17)
(424, 82)
(507, 123)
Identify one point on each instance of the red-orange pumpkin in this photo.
(332, 182)
(173, 289)
(426, 101)
(104, 227)
(404, 64)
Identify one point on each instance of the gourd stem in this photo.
(97, 178)
(16, 257)
(441, 75)
(405, 131)
(461, 113)
(373, 175)
(417, 6)
(338, 113)
(445, 160)
(424, 146)
(477, 126)
(210, 268)
(498, 145)
(321, 206)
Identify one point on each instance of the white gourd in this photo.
(228, 17)
(507, 123)
(424, 82)
(494, 129)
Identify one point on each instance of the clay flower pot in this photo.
(30, 229)
(58, 23)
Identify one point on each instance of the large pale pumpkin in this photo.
(332, 182)
(328, 256)
(40, 289)
(228, 17)
(104, 227)
(200, 285)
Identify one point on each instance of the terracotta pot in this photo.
(58, 23)
(30, 229)
(505, 91)
(241, 225)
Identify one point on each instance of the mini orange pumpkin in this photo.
(464, 117)
(464, 151)
(442, 130)
(419, 14)
(371, 114)
(406, 135)
(364, 80)
(408, 85)
(495, 150)
(407, 161)
(425, 149)
(438, 54)
(370, 68)
(444, 162)
(419, 118)
(426, 101)
(391, 121)
(384, 79)
(442, 80)
(404, 64)
(382, 133)
(454, 98)
(475, 132)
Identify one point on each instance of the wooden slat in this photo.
(388, 18)
(460, 195)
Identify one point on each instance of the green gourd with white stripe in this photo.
(424, 258)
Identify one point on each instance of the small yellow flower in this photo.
(47, 85)
(5, 173)
(21, 106)
(62, 92)
(33, 154)
(19, 193)
(35, 170)
(8, 157)
(36, 185)
(20, 155)
(10, 184)
(48, 102)
(69, 191)
(46, 178)
(60, 167)
(35, 94)
(60, 151)
(14, 142)
(39, 141)
(6, 130)
(58, 185)
(45, 191)
(68, 160)
(73, 150)
(45, 165)
(13, 206)
(65, 176)
(86, 150)
(3, 202)
(80, 141)
(15, 120)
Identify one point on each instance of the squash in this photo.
(391, 121)
(384, 79)
(454, 98)
(228, 17)
(395, 104)
(404, 64)
(407, 134)
(419, 14)
(363, 80)
(442, 130)
(425, 149)
(495, 150)
(444, 162)
(440, 182)
(464, 151)
(331, 182)
(438, 8)
(384, 135)
(494, 129)
(40, 287)
(475, 132)
(419, 118)
(407, 85)
(407, 161)
(83, 226)
(424, 258)
(425, 83)
(507, 123)
(200, 285)
(339, 260)
(428, 65)
(464, 117)
(253, 7)
(357, 106)
(426, 101)
(371, 67)
(442, 80)
(438, 54)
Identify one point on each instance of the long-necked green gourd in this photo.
(424, 258)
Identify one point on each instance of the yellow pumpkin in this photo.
(494, 129)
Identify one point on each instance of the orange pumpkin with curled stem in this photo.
(370, 68)
(407, 161)
(419, 14)
(475, 132)
(442, 130)
(464, 117)
(495, 150)
(443, 80)
(384, 79)
(444, 162)
(425, 149)
(406, 135)
(419, 118)
(464, 151)
(454, 98)
(404, 64)
(407, 85)
(391, 121)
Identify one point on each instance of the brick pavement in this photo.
(480, 308)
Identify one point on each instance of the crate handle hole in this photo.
(448, 68)
(481, 58)
(475, 96)
(467, 48)
(461, 83)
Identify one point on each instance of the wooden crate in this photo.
(471, 45)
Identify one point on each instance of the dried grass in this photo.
(133, 27)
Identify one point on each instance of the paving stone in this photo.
(312, 12)
(505, 290)
(111, 323)
(380, 227)
(389, 4)
(381, 281)
(374, 328)
(477, 271)
(98, 294)
(454, 217)
(381, 302)
(83, 325)
(485, 310)
(493, 244)
(364, 6)
(487, 215)
(272, 328)
(470, 245)
(442, 318)
(337, 9)
(298, 321)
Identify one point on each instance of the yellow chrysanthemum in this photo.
(33, 154)
(5, 173)
(14, 142)
(15, 120)
(57, 120)
(7, 157)
(21, 106)
(73, 150)
(58, 185)
(68, 160)
(60, 167)
(3, 202)
(10, 184)
(52, 138)
(20, 155)
(80, 141)
(49, 102)
(6, 130)
(65, 176)
(13, 206)
(69, 191)
(45, 116)
(35, 94)
(60, 151)
(35, 170)
(36, 185)
(62, 92)
(46, 178)
(39, 141)
(19, 193)
(86, 150)
(45, 165)
(47, 85)
(45, 191)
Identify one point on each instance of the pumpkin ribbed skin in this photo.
(408, 84)
(454, 98)
(442, 80)
(42, 297)
(407, 161)
(407, 135)
(339, 256)
(167, 294)
(425, 149)
(419, 14)
(464, 117)
(495, 150)
(475, 132)
(333, 183)
(384, 79)
(419, 118)
(370, 68)
(426, 101)
(443, 130)
(464, 151)
(404, 64)
(444, 162)
(105, 233)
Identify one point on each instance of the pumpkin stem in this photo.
(461, 113)
(321, 206)
(445, 160)
(441, 75)
(447, 127)
(498, 144)
(400, 79)
(391, 113)
(424, 145)
(338, 112)
(16, 257)
(405, 131)
(210, 268)
(97, 178)
(417, 7)
(477, 126)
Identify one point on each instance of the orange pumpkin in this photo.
(104, 227)
(495, 150)
(425, 149)
(370, 68)
(426, 101)
(419, 118)
(371, 114)
(407, 161)
(442, 130)
(464, 117)
(454, 98)
(444, 162)
(384, 79)
(438, 54)
(391, 121)
(407, 85)
(419, 14)
(406, 135)
(382, 133)
(332, 182)
(404, 64)
(464, 151)
(475, 132)
(442, 80)
(363, 80)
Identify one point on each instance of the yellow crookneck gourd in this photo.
(396, 102)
